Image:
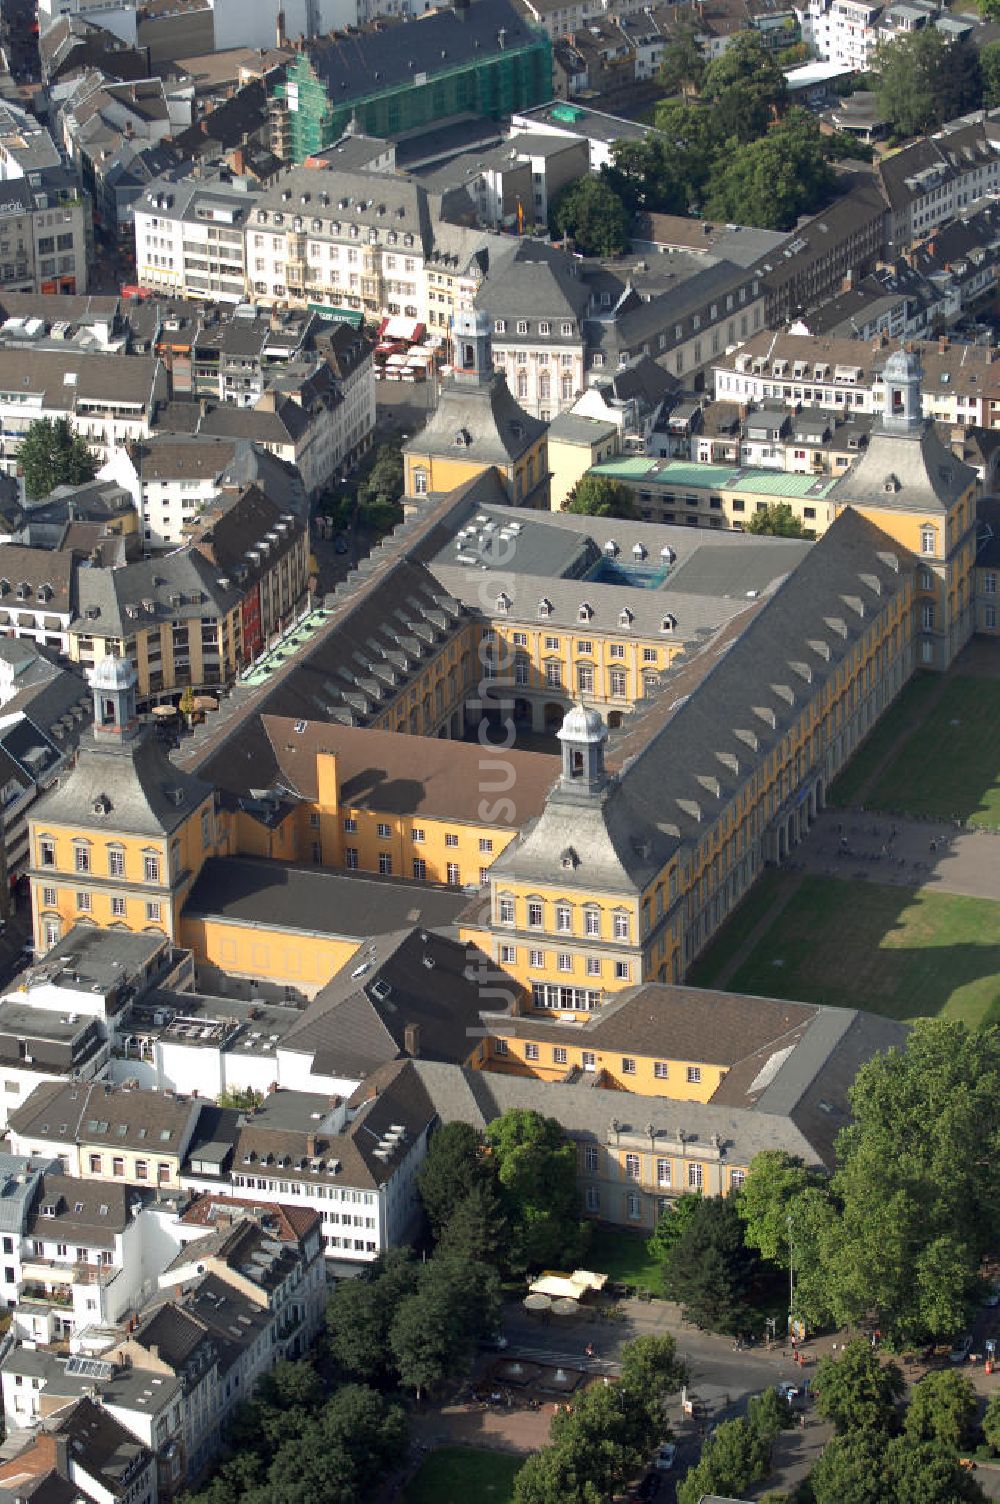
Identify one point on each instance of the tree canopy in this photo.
(53, 454)
(899, 1231)
(777, 518)
(609, 1431)
(773, 178)
(924, 80)
(745, 89)
(591, 213)
(942, 1410)
(683, 64)
(709, 1268)
(536, 1173)
(600, 496)
(857, 1391)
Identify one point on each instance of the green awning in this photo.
(352, 316)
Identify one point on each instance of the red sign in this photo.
(253, 631)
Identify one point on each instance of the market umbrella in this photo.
(164, 710)
(537, 1303)
(205, 702)
(565, 1307)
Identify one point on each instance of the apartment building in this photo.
(189, 235)
(846, 375)
(932, 180)
(840, 245)
(537, 304)
(37, 596)
(45, 232)
(109, 399)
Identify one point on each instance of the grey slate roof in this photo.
(146, 592)
(910, 472)
(348, 904)
(355, 1024)
(688, 751)
(147, 794)
(480, 422)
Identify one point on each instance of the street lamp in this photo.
(791, 1273)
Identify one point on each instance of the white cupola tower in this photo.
(902, 378)
(113, 682)
(583, 735)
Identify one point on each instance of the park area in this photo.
(888, 949)
(462, 1475)
(935, 753)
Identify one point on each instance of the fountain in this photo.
(560, 1380)
(512, 1371)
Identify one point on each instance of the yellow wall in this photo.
(646, 1079)
(446, 474)
(523, 649)
(180, 860)
(299, 958)
(151, 1157)
(682, 898)
(165, 670)
(568, 462)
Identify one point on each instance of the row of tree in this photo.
(923, 80)
(738, 1453)
(882, 1454)
(729, 147)
(605, 1436)
(297, 1443)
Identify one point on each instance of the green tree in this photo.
(989, 67)
(777, 518)
(771, 180)
(736, 1457)
(244, 1098)
(768, 1413)
(924, 80)
(650, 1372)
(745, 89)
(454, 1166)
(991, 1422)
(648, 175)
(550, 1477)
(917, 1209)
(924, 1474)
(477, 1229)
(942, 1411)
(989, 10)
(691, 142)
(851, 1470)
(683, 64)
(436, 1330)
(53, 454)
(360, 1312)
(600, 496)
(774, 1182)
(380, 491)
(709, 1268)
(671, 1224)
(858, 1392)
(355, 1440)
(590, 213)
(536, 1168)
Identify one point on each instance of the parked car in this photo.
(993, 1296)
(961, 1349)
(786, 1391)
(666, 1456)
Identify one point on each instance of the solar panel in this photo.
(89, 1368)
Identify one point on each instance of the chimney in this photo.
(238, 161)
(62, 1454)
(280, 30)
(311, 1145)
(943, 344)
(411, 1040)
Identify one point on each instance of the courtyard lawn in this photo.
(949, 767)
(885, 949)
(902, 717)
(458, 1475)
(621, 1255)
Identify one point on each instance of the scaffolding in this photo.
(303, 119)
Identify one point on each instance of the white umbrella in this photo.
(537, 1303)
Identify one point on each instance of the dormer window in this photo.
(503, 603)
(669, 623)
(544, 607)
(892, 485)
(23, 590)
(625, 617)
(638, 552)
(586, 611)
(611, 549)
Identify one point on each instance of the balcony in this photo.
(39, 1272)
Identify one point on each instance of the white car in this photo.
(788, 1391)
(665, 1457)
(961, 1349)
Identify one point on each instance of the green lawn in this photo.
(898, 719)
(705, 971)
(621, 1255)
(950, 766)
(886, 949)
(947, 759)
(461, 1475)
